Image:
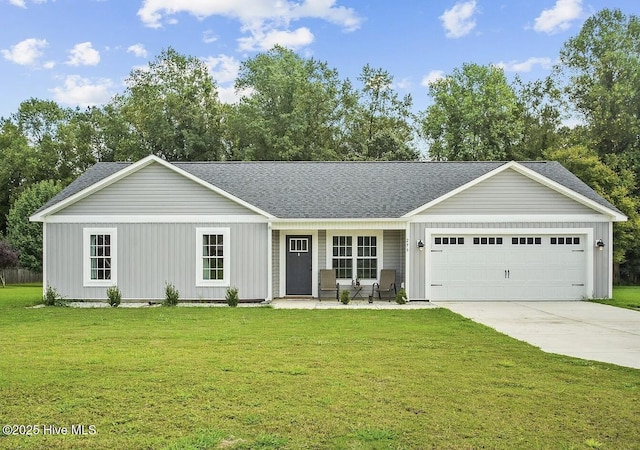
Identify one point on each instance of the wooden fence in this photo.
(19, 276)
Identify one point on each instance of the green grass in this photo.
(260, 378)
(624, 297)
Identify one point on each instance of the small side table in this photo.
(355, 284)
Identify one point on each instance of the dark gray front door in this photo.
(299, 260)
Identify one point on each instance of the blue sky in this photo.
(79, 52)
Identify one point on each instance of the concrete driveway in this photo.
(581, 329)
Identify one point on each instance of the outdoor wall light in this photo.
(420, 245)
(600, 244)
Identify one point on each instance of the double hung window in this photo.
(212, 250)
(100, 256)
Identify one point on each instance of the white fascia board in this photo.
(39, 217)
(508, 218)
(614, 215)
(156, 218)
(339, 224)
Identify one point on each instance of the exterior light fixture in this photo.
(600, 244)
(420, 245)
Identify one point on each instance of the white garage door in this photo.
(507, 267)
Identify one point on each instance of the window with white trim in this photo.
(100, 247)
(212, 253)
(355, 251)
(342, 260)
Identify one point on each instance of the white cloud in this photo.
(266, 22)
(78, 91)
(209, 37)
(27, 52)
(138, 50)
(432, 77)
(264, 40)
(223, 68)
(83, 54)
(559, 17)
(525, 66)
(23, 3)
(458, 21)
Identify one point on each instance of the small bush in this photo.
(114, 296)
(232, 296)
(345, 297)
(53, 298)
(401, 297)
(171, 295)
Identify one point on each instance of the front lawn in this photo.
(245, 378)
(624, 297)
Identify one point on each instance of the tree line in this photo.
(297, 108)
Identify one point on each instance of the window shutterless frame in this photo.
(100, 257)
(212, 257)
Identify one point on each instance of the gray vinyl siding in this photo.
(601, 273)
(151, 255)
(509, 192)
(393, 253)
(155, 189)
(322, 250)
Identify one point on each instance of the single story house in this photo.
(450, 230)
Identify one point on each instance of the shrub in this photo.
(401, 297)
(232, 296)
(345, 297)
(53, 298)
(171, 295)
(114, 296)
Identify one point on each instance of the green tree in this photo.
(600, 71)
(170, 109)
(292, 108)
(380, 126)
(8, 258)
(614, 182)
(25, 236)
(474, 116)
(41, 141)
(541, 110)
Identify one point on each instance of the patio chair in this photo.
(328, 282)
(387, 283)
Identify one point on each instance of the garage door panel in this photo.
(508, 267)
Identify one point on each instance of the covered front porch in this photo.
(356, 250)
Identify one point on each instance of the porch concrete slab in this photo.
(581, 329)
(288, 303)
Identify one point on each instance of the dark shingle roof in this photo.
(339, 189)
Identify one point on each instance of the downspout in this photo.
(44, 256)
(269, 262)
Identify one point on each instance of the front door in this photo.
(299, 260)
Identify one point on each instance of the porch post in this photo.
(407, 259)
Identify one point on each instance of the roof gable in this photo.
(113, 174)
(337, 190)
(531, 190)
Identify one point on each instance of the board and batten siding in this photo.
(509, 192)
(394, 253)
(153, 254)
(417, 259)
(155, 189)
